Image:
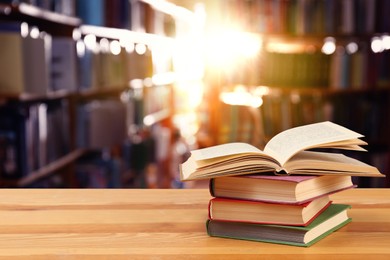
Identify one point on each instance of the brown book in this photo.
(278, 189)
(267, 213)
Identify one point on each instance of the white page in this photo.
(285, 144)
(223, 150)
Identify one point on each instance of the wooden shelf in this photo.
(50, 169)
(316, 38)
(24, 11)
(32, 11)
(101, 93)
(124, 34)
(325, 91)
(54, 23)
(33, 98)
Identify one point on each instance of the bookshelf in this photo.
(108, 94)
(312, 64)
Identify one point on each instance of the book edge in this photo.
(264, 222)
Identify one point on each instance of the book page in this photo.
(223, 150)
(308, 162)
(285, 144)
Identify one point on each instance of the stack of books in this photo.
(294, 210)
(291, 205)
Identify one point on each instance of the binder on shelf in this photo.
(64, 64)
(24, 66)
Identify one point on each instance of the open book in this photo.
(283, 154)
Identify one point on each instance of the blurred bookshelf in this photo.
(105, 93)
(311, 61)
(87, 93)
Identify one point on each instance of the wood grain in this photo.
(165, 224)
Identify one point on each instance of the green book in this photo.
(333, 218)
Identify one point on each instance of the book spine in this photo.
(211, 187)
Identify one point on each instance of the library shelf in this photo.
(51, 168)
(98, 81)
(51, 22)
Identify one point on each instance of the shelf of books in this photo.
(85, 86)
(312, 64)
(35, 90)
(58, 22)
(300, 17)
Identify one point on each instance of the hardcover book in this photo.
(332, 219)
(283, 154)
(278, 189)
(267, 213)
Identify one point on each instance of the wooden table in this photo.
(166, 224)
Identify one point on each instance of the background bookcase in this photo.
(140, 98)
(90, 100)
(301, 80)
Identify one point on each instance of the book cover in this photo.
(64, 64)
(13, 143)
(12, 71)
(25, 60)
(332, 219)
(278, 189)
(91, 12)
(267, 213)
(37, 63)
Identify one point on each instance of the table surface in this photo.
(166, 224)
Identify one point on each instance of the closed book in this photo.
(332, 219)
(91, 12)
(64, 64)
(278, 189)
(37, 63)
(267, 213)
(25, 60)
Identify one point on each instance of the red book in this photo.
(278, 189)
(267, 213)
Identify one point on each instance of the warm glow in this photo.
(129, 46)
(386, 42)
(140, 48)
(187, 61)
(261, 91)
(115, 47)
(241, 97)
(104, 44)
(379, 44)
(42, 111)
(136, 83)
(80, 48)
(282, 47)
(192, 90)
(90, 41)
(24, 29)
(352, 47)
(163, 78)
(34, 33)
(225, 48)
(376, 45)
(329, 46)
(76, 34)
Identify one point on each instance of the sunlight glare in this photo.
(241, 97)
(226, 47)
